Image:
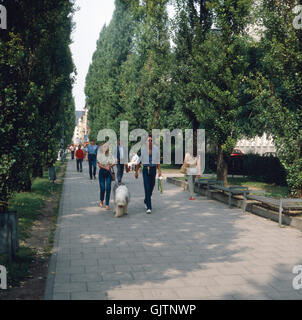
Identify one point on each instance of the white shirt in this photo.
(194, 164)
(105, 160)
(135, 159)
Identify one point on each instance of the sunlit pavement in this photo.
(184, 250)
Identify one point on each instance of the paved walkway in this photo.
(184, 250)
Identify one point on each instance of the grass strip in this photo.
(29, 206)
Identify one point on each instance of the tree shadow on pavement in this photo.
(184, 250)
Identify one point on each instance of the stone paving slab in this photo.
(199, 250)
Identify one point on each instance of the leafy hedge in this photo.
(36, 78)
(266, 169)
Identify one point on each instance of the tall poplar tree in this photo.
(281, 94)
(219, 68)
(191, 24)
(146, 79)
(103, 79)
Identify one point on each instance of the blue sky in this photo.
(91, 17)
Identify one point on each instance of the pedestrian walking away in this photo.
(122, 160)
(150, 159)
(72, 151)
(91, 155)
(79, 157)
(106, 162)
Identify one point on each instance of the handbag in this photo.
(183, 168)
(112, 174)
(191, 168)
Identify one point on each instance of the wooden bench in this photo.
(232, 190)
(256, 195)
(273, 204)
(207, 182)
(288, 204)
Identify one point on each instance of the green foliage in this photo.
(29, 205)
(103, 86)
(281, 85)
(211, 72)
(190, 28)
(129, 75)
(36, 104)
(222, 62)
(19, 269)
(215, 77)
(152, 67)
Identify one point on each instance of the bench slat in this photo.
(213, 185)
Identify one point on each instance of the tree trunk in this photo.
(195, 128)
(222, 166)
(37, 171)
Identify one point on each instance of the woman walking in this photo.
(106, 162)
(79, 157)
(192, 165)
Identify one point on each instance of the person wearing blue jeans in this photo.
(92, 150)
(105, 180)
(121, 161)
(151, 162)
(106, 162)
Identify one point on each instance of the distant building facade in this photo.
(259, 145)
(81, 130)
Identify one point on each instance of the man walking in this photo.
(79, 157)
(121, 156)
(150, 158)
(91, 154)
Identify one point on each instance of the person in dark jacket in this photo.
(150, 159)
(121, 161)
(91, 154)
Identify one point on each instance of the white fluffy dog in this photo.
(121, 199)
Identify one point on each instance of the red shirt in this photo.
(79, 154)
